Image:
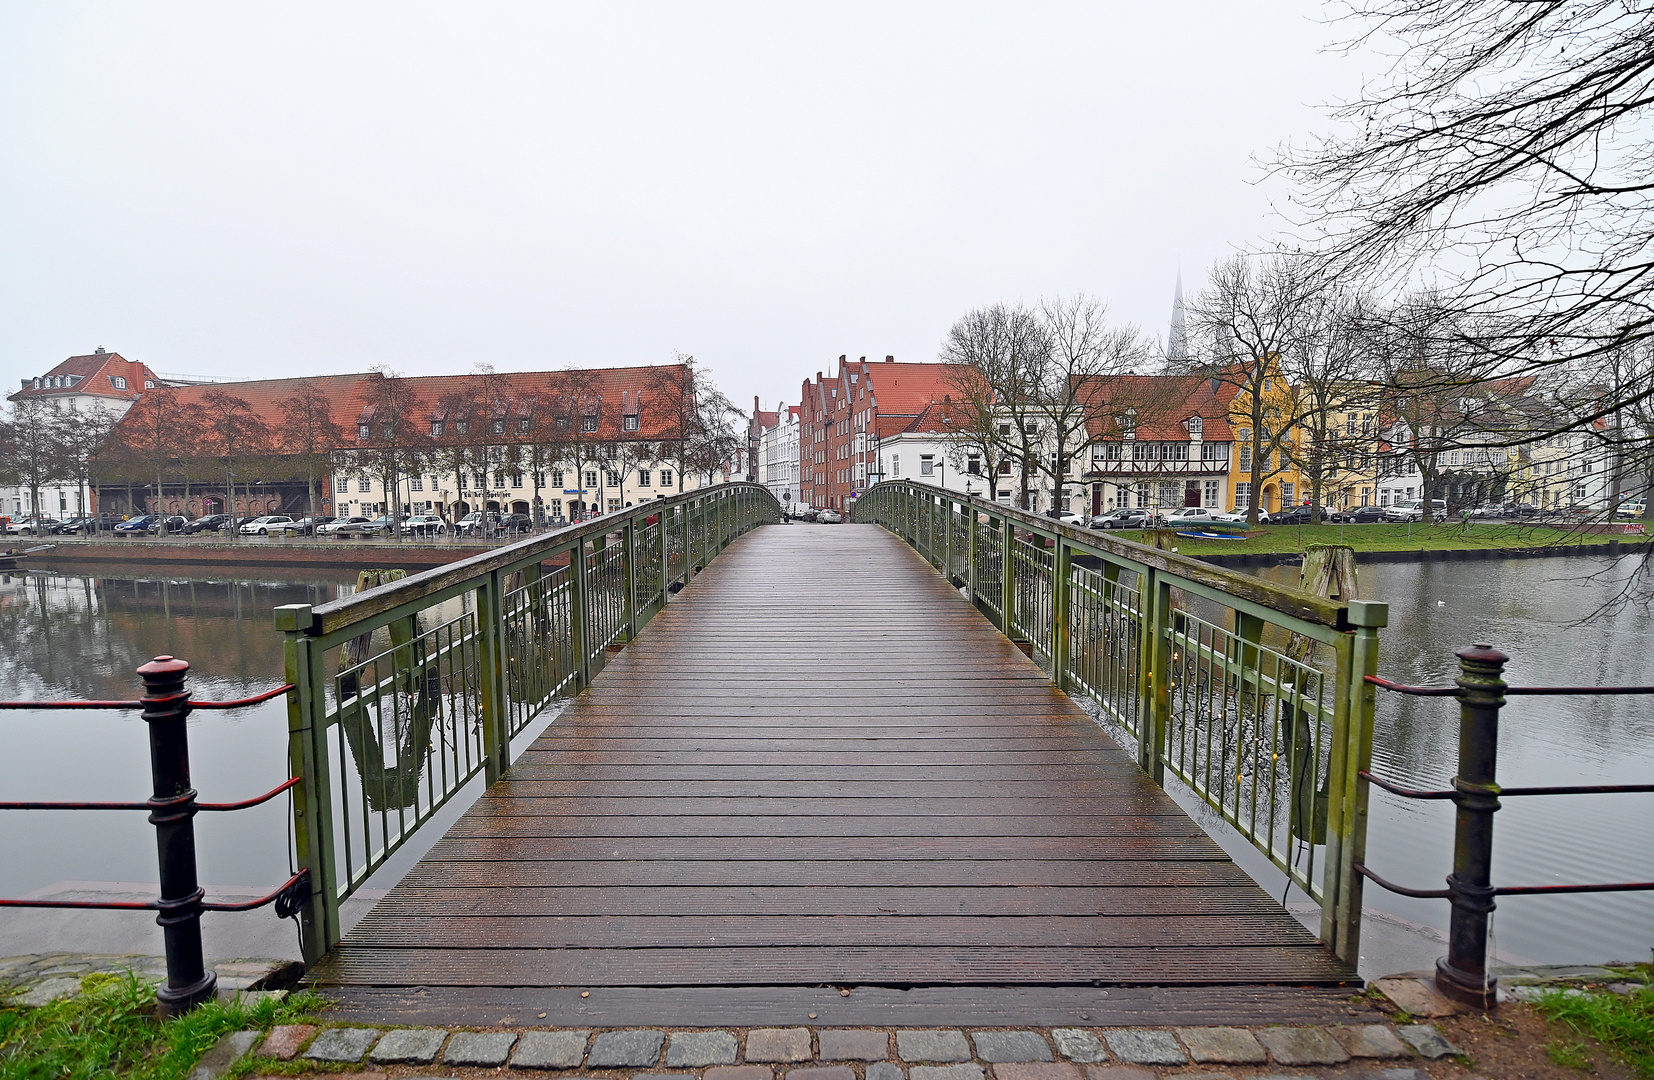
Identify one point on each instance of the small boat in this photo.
(1213, 536)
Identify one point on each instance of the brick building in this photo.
(844, 417)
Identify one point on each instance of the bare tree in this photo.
(154, 432)
(234, 432)
(999, 353)
(36, 447)
(88, 445)
(1330, 369)
(1505, 151)
(309, 434)
(390, 441)
(1253, 313)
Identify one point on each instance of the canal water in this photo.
(80, 634)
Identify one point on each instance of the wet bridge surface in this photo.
(820, 769)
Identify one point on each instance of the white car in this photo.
(1239, 517)
(1076, 520)
(264, 526)
(1190, 515)
(425, 525)
(340, 525)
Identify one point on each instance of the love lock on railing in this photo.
(172, 808)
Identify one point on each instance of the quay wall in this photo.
(322, 554)
(1293, 558)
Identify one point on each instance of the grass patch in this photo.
(1623, 1023)
(109, 1030)
(1384, 536)
(1571, 1055)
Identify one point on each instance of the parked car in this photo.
(208, 523)
(340, 526)
(1190, 515)
(32, 526)
(1520, 510)
(516, 523)
(478, 523)
(1303, 515)
(425, 525)
(1124, 519)
(808, 515)
(264, 526)
(171, 523)
(138, 526)
(1068, 517)
(1630, 509)
(1365, 514)
(382, 525)
(305, 526)
(1413, 510)
(71, 526)
(830, 517)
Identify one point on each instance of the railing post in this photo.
(665, 583)
(496, 742)
(1156, 693)
(1007, 576)
(313, 797)
(970, 550)
(1341, 899)
(947, 537)
(1462, 974)
(172, 812)
(1062, 569)
(628, 542)
(579, 628)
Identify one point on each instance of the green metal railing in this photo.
(1249, 693)
(406, 692)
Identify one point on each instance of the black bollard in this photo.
(172, 812)
(1462, 973)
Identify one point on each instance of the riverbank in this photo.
(219, 553)
(1385, 542)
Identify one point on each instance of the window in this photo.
(1168, 493)
(1196, 427)
(363, 431)
(973, 465)
(364, 486)
(557, 478)
(1288, 498)
(588, 423)
(562, 423)
(614, 505)
(1175, 451)
(118, 381)
(540, 480)
(1243, 496)
(149, 384)
(462, 426)
(1143, 500)
(1005, 468)
(436, 429)
(1209, 494)
(591, 478)
(1005, 431)
(1214, 451)
(479, 481)
(1245, 462)
(629, 423)
(499, 427)
(1106, 452)
(896, 466)
(522, 423)
(1145, 451)
(666, 478)
(434, 485)
(417, 483)
(517, 480)
(927, 465)
(613, 478)
(643, 478)
(1030, 428)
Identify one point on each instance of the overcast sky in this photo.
(255, 191)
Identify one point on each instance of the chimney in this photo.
(889, 359)
(98, 351)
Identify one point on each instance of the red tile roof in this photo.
(1164, 404)
(609, 392)
(94, 375)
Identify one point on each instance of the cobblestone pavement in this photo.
(1376, 1051)
(39, 978)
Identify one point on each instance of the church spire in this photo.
(1177, 338)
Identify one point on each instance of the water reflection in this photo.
(1539, 611)
(81, 634)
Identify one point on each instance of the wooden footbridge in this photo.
(822, 768)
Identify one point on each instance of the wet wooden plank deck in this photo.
(820, 767)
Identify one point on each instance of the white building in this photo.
(777, 451)
(98, 380)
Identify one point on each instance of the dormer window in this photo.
(629, 423)
(149, 384)
(436, 429)
(588, 423)
(463, 427)
(363, 431)
(118, 381)
(499, 427)
(522, 424)
(1196, 427)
